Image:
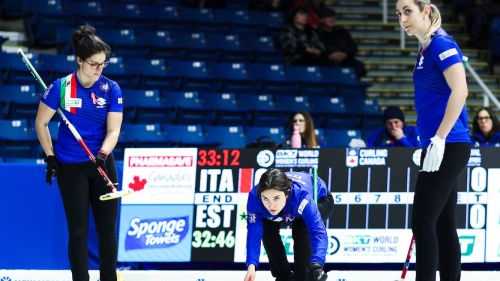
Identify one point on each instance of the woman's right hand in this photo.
(250, 273)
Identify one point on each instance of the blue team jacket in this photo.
(300, 204)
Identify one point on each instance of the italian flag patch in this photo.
(69, 101)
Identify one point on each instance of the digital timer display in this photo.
(207, 239)
(217, 158)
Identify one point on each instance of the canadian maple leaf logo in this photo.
(138, 184)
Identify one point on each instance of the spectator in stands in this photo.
(305, 123)
(301, 43)
(395, 132)
(440, 94)
(485, 128)
(288, 199)
(340, 47)
(93, 104)
(205, 4)
(314, 9)
(270, 5)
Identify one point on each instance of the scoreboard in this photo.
(190, 204)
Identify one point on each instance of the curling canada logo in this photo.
(156, 233)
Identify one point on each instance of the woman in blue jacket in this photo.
(440, 93)
(485, 128)
(287, 198)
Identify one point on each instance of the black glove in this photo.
(100, 160)
(51, 169)
(316, 273)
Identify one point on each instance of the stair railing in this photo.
(487, 94)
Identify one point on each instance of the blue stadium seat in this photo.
(309, 79)
(277, 134)
(151, 73)
(263, 48)
(20, 101)
(228, 47)
(330, 112)
(231, 16)
(146, 106)
(13, 70)
(234, 77)
(272, 78)
(84, 8)
(142, 135)
(346, 82)
(270, 19)
(225, 136)
(127, 15)
(195, 75)
(185, 135)
(122, 41)
(17, 139)
(159, 44)
(56, 66)
(226, 108)
(44, 18)
(196, 15)
(326, 104)
(116, 71)
(368, 108)
(90, 11)
(194, 45)
(341, 138)
(166, 17)
(239, 21)
(264, 111)
(291, 104)
(189, 107)
(211, 27)
(63, 39)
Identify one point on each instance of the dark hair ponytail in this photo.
(274, 179)
(86, 43)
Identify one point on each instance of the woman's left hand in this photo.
(434, 155)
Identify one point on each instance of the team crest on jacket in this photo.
(104, 87)
(421, 62)
(251, 218)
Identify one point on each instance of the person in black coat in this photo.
(340, 47)
(301, 43)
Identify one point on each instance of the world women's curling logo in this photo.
(156, 233)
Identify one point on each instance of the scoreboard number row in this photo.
(396, 198)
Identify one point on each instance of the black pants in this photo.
(434, 224)
(81, 184)
(280, 268)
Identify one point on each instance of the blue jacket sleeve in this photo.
(322, 190)
(411, 138)
(315, 228)
(374, 139)
(254, 231)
